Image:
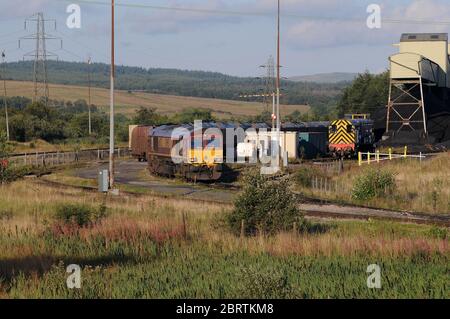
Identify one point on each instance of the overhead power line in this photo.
(81, 44)
(260, 13)
(10, 34)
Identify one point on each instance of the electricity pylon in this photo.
(269, 81)
(40, 55)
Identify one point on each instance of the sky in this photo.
(317, 36)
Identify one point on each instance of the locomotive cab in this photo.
(351, 135)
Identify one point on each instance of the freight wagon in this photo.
(139, 141)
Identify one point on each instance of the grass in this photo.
(141, 250)
(420, 186)
(127, 103)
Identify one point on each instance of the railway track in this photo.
(310, 208)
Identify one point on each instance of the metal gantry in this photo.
(406, 106)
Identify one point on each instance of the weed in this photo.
(79, 214)
(270, 283)
(373, 183)
(265, 206)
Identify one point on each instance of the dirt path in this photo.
(134, 173)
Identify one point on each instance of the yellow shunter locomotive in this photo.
(350, 135)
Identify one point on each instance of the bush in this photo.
(373, 183)
(264, 284)
(6, 214)
(438, 232)
(9, 174)
(79, 215)
(265, 205)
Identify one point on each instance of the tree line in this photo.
(178, 82)
(58, 121)
(67, 121)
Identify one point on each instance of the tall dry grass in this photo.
(153, 247)
(131, 219)
(421, 186)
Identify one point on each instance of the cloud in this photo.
(321, 33)
(162, 21)
(21, 8)
(303, 4)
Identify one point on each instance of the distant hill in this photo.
(127, 102)
(178, 82)
(336, 77)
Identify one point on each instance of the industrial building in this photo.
(418, 110)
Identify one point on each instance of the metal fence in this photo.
(49, 159)
(330, 167)
(377, 157)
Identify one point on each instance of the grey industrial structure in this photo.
(418, 109)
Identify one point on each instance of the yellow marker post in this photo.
(390, 154)
(406, 152)
(368, 158)
(378, 156)
(359, 158)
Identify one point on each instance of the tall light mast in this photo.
(5, 102)
(111, 105)
(89, 95)
(278, 84)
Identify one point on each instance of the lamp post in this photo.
(89, 95)
(111, 105)
(5, 102)
(278, 120)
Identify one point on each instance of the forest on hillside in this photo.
(179, 82)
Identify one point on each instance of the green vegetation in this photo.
(305, 175)
(149, 116)
(264, 206)
(59, 121)
(207, 274)
(79, 215)
(139, 250)
(367, 94)
(373, 183)
(67, 122)
(5, 147)
(177, 82)
(400, 184)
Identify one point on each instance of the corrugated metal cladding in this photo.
(312, 145)
(422, 55)
(421, 37)
(166, 130)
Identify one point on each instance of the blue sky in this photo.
(317, 36)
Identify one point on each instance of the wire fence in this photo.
(51, 159)
(331, 167)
